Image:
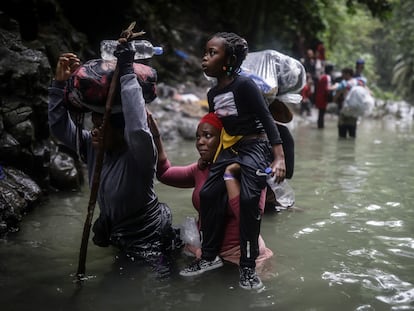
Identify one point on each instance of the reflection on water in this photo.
(348, 246)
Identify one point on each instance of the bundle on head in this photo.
(87, 88)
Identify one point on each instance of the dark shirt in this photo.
(128, 204)
(243, 110)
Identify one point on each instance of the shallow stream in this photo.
(348, 244)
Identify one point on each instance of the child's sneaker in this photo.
(199, 266)
(249, 279)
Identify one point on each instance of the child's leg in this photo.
(250, 217)
(213, 209)
(254, 156)
(231, 178)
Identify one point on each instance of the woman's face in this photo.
(207, 141)
(97, 121)
(214, 58)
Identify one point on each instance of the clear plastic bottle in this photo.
(189, 232)
(284, 193)
(143, 49)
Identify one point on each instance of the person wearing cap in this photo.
(359, 68)
(131, 217)
(194, 176)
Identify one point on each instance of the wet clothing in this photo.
(243, 112)
(131, 218)
(252, 155)
(191, 176)
(347, 125)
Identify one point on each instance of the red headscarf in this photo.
(211, 118)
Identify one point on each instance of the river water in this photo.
(349, 244)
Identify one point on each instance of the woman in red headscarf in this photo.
(194, 175)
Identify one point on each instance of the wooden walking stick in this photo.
(125, 35)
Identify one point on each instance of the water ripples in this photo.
(386, 287)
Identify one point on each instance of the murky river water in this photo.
(349, 246)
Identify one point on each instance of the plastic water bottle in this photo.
(284, 193)
(143, 49)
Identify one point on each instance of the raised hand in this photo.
(152, 124)
(125, 54)
(67, 64)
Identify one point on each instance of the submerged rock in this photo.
(18, 193)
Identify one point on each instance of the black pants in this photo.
(251, 155)
(343, 130)
(321, 118)
(347, 125)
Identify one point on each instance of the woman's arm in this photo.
(153, 126)
(176, 176)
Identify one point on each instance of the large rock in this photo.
(18, 193)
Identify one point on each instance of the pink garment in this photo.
(191, 176)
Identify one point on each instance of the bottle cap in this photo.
(268, 170)
(158, 50)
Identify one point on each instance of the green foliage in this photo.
(351, 37)
(385, 43)
(348, 28)
(379, 8)
(403, 73)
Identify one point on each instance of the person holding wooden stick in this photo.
(131, 217)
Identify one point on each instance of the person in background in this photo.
(320, 59)
(320, 49)
(131, 217)
(322, 94)
(341, 87)
(194, 175)
(249, 138)
(309, 62)
(307, 95)
(359, 69)
(347, 124)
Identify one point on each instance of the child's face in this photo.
(214, 58)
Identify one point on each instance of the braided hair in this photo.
(236, 47)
